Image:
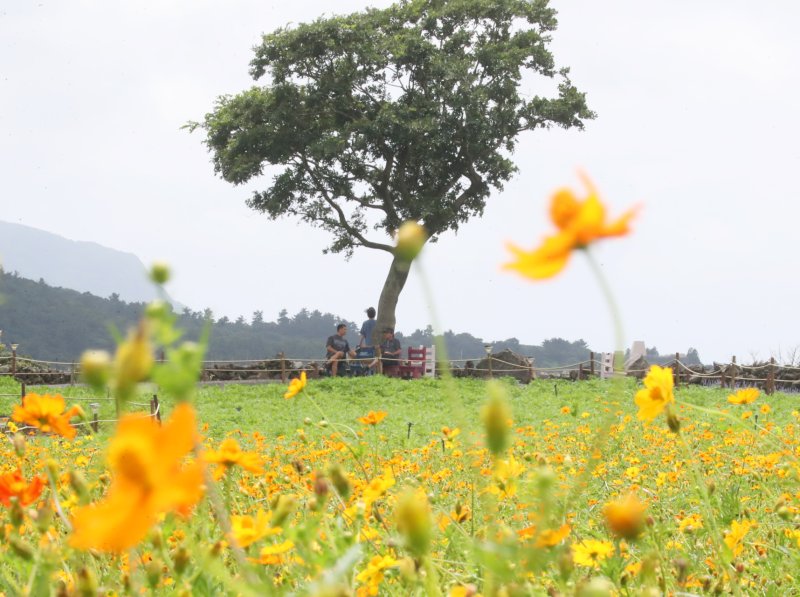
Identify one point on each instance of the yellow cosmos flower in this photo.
(246, 530)
(579, 223)
(149, 480)
(46, 413)
(657, 393)
(273, 554)
(552, 537)
(744, 396)
(373, 417)
(231, 454)
(735, 537)
(373, 574)
(296, 386)
(625, 517)
(591, 552)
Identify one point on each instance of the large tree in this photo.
(407, 113)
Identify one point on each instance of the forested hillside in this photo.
(59, 324)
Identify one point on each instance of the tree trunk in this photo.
(392, 287)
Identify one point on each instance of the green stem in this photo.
(702, 490)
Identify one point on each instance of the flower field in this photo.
(379, 486)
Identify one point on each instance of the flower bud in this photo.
(133, 361)
(413, 519)
(21, 548)
(153, 570)
(86, 584)
(96, 368)
(19, 444)
(79, 486)
(599, 586)
(673, 422)
(44, 517)
(340, 481)
(157, 309)
(15, 513)
(411, 237)
(181, 559)
(495, 414)
(284, 507)
(159, 272)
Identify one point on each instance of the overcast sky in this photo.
(697, 121)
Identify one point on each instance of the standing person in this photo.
(338, 348)
(367, 328)
(390, 353)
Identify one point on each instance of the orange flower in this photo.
(373, 417)
(230, 454)
(150, 479)
(657, 393)
(13, 485)
(624, 517)
(579, 223)
(744, 396)
(47, 413)
(296, 386)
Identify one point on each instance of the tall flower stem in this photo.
(442, 358)
(613, 308)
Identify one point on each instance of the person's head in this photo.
(388, 332)
(341, 329)
(371, 312)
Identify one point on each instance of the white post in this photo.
(430, 361)
(606, 365)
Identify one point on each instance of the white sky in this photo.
(697, 120)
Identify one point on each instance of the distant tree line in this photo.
(58, 324)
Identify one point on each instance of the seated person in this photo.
(338, 348)
(390, 353)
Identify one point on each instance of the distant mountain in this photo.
(78, 265)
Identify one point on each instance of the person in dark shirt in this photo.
(338, 348)
(390, 353)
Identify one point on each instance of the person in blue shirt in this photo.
(367, 329)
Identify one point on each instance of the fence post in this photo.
(769, 388)
(533, 368)
(72, 374)
(283, 367)
(380, 361)
(591, 363)
(677, 372)
(157, 409)
(23, 392)
(733, 373)
(13, 360)
(580, 371)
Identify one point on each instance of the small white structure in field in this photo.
(606, 365)
(638, 350)
(430, 361)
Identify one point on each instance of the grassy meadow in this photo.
(578, 496)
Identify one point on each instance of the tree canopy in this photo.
(411, 112)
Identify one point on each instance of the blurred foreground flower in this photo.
(133, 361)
(149, 480)
(657, 393)
(579, 223)
(14, 485)
(296, 386)
(745, 396)
(46, 413)
(625, 517)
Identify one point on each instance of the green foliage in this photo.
(406, 113)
